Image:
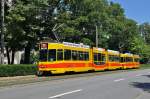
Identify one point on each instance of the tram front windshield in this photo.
(43, 55)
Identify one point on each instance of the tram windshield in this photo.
(43, 55)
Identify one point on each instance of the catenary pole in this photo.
(96, 36)
(2, 32)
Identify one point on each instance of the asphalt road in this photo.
(125, 85)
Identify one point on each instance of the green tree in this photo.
(23, 25)
(30, 21)
(80, 20)
(145, 32)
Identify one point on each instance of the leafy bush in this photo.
(17, 70)
(145, 66)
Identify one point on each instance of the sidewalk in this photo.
(16, 77)
(8, 81)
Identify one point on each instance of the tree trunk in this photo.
(8, 56)
(27, 54)
(12, 56)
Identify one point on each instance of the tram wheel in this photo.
(39, 73)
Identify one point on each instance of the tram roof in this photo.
(81, 45)
(136, 56)
(99, 49)
(113, 51)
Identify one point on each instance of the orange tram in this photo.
(56, 58)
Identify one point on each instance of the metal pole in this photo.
(2, 32)
(96, 36)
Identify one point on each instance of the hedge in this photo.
(17, 70)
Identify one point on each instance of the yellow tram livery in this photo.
(65, 57)
(99, 59)
(113, 60)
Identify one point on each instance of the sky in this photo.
(138, 10)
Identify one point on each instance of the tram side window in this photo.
(136, 59)
(81, 55)
(43, 55)
(99, 57)
(129, 59)
(59, 54)
(116, 58)
(122, 59)
(103, 58)
(86, 56)
(111, 58)
(67, 54)
(52, 55)
(95, 57)
(75, 55)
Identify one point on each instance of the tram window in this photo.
(103, 57)
(74, 55)
(86, 56)
(122, 59)
(52, 55)
(43, 55)
(136, 59)
(95, 57)
(129, 59)
(116, 58)
(67, 54)
(59, 54)
(99, 57)
(81, 55)
(111, 58)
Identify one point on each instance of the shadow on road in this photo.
(147, 76)
(141, 85)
